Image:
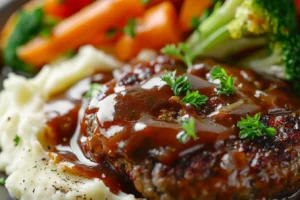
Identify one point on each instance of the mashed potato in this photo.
(32, 174)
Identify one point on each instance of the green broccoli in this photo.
(29, 24)
(268, 28)
(27, 27)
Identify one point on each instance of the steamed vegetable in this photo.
(158, 27)
(191, 9)
(78, 29)
(64, 8)
(268, 27)
(28, 25)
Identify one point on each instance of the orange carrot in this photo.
(65, 8)
(103, 39)
(190, 9)
(127, 47)
(158, 27)
(78, 29)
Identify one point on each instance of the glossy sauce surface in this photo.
(62, 134)
(142, 120)
(136, 117)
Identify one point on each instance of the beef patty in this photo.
(134, 124)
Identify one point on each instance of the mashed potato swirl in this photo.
(32, 173)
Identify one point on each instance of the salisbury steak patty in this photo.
(134, 124)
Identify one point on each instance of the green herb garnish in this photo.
(226, 82)
(188, 126)
(195, 99)
(17, 140)
(178, 85)
(111, 32)
(2, 181)
(70, 54)
(182, 52)
(129, 29)
(195, 23)
(145, 1)
(252, 127)
(94, 89)
(46, 28)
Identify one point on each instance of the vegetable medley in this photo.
(259, 34)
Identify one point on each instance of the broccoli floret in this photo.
(27, 27)
(271, 27)
(29, 24)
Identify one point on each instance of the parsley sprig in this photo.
(195, 99)
(129, 29)
(226, 82)
(182, 52)
(2, 181)
(94, 89)
(251, 127)
(17, 140)
(188, 126)
(145, 1)
(178, 85)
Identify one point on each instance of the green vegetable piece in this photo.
(178, 85)
(270, 28)
(46, 28)
(129, 29)
(195, 99)
(145, 1)
(2, 181)
(17, 140)
(226, 82)
(188, 126)
(27, 27)
(94, 89)
(111, 32)
(252, 128)
(182, 52)
(195, 22)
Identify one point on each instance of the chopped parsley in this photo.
(251, 127)
(94, 89)
(111, 32)
(145, 1)
(226, 82)
(182, 52)
(129, 29)
(70, 54)
(46, 28)
(195, 23)
(17, 140)
(178, 85)
(195, 99)
(2, 181)
(188, 126)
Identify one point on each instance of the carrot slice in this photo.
(158, 27)
(78, 29)
(190, 9)
(65, 8)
